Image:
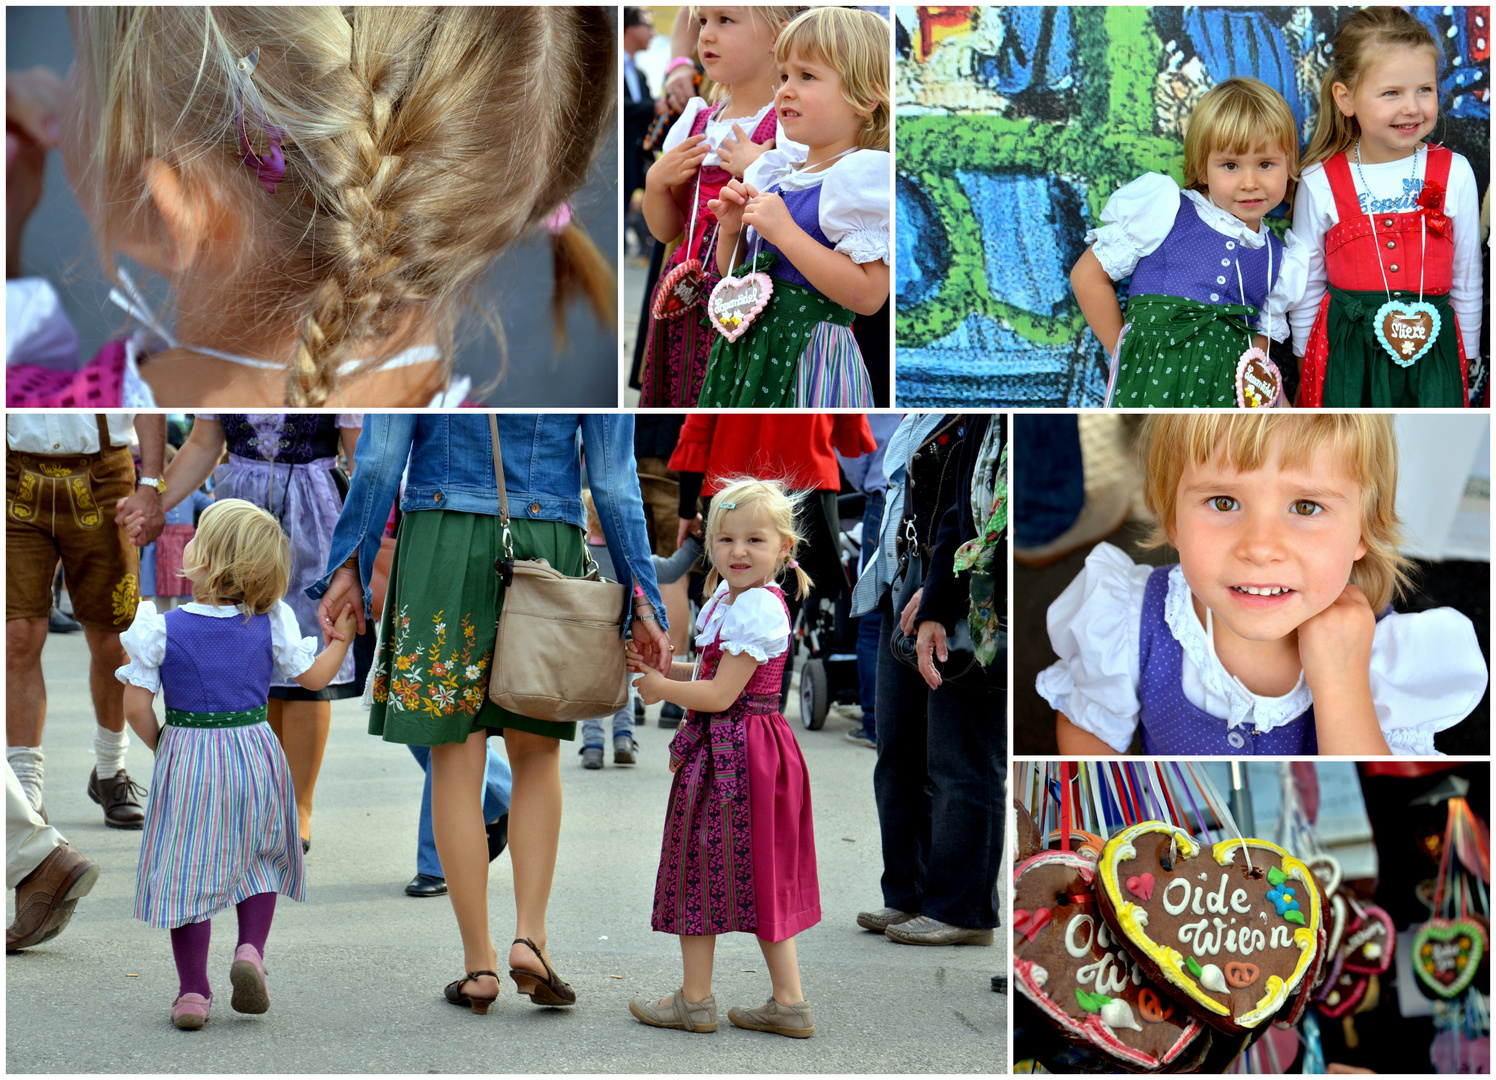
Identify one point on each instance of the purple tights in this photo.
(189, 943)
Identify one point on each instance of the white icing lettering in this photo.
(1216, 901)
(1199, 895)
(1239, 903)
(1402, 329)
(1078, 922)
(1231, 941)
(1173, 907)
(1281, 938)
(1109, 974)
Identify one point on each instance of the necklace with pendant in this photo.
(1259, 383)
(1405, 331)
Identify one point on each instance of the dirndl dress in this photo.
(220, 822)
(739, 844)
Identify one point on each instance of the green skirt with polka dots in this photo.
(1180, 353)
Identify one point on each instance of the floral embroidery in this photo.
(432, 675)
(126, 598)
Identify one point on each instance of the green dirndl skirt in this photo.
(759, 370)
(1360, 373)
(441, 615)
(1179, 353)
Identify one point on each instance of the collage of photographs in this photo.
(660, 421)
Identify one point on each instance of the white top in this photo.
(856, 199)
(60, 433)
(1138, 217)
(1393, 190)
(755, 623)
(1427, 671)
(717, 130)
(145, 642)
(36, 329)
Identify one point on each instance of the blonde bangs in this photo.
(854, 44)
(779, 507)
(1237, 117)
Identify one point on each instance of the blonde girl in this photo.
(1393, 305)
(322, 187)
(1210, 281)
(712, 143)
(818, 222)
(1274, 633)
(739, 848)
(220, 826)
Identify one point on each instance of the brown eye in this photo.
(1223, 503)
(1306, 508)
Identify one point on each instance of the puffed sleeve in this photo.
(1134, 222)
(1286, 289)
(1427, 674)
(770, 167)
(755, 624)
(293, 653)
(145, 644)
(682, 127)
(37, 329)
(1093, 627)
(855, 206)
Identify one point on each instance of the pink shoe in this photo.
(248, 976)
(190, 1011)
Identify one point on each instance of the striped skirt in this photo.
(831, 374)
(220, 825)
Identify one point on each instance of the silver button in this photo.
(1236, 740)
(1215, 297)
(1230, 245)
(1225, 262)
(1221, 280)
(1387, 224)
(1393, 268)
(1392, 243)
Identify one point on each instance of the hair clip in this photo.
(793, 565)
(728, 506)
(271, 170)
(558, 221)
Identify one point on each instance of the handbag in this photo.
(558, 654)
(962, 656)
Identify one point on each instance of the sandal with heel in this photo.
(547, 990)
(477, 1002)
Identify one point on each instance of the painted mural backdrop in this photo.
(1015, 125)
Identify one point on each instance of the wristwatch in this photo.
(151, 481)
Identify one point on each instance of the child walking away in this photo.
(739, 850)
(322, 188)
(220, 827)
(1274, 634)
(710, 145)
(1393, 307)
(813, 228)
(1211, 284)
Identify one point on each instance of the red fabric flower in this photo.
(1431, 198)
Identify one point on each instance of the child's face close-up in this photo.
(747, 548)
(735, 44)
(1396, 102)
(812, 106)
(1247, 185)
(1270, 549)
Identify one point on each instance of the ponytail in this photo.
(803, 583)
(580, 268)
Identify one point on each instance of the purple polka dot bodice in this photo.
(216, 664)
(805, 207)
(1172, 725)
(1196, 262)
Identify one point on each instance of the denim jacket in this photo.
(451, 468)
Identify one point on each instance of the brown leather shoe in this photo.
(120, 797)
(45, 899)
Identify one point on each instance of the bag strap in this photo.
(504, 565)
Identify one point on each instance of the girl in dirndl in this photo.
(709, 145)
(739, 847)
(1393, 307)
(220, 826)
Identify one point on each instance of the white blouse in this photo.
(855, 206)
(755, 623)
(1138, 217)
(718, 130)
(1427, 671)
(1314, 214)
(145, 642)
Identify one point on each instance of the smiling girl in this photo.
(1209, 282)
(1274, 634)
(1393, 305)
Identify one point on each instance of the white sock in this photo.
(26, 763)
(109, 749)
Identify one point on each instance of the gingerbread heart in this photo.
(1259, 383)
(679, 291)
(1027, 838)
(1344, 994)
(1078, 975)
(1081, 842)
(1446, 954)
(1327, 869)
(1368, 946)
(736, 302)
(1209, 909)
(1406, 330)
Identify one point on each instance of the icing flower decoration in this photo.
(1432, 201)
(1288, 907)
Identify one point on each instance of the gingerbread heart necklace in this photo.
(1406, 331)
(1259, 383)
(737, 300)
(680, 290)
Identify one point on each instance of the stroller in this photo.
(826, 626)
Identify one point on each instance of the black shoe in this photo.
(120, 797)
(671, 715)
(498, 838)
(638, 711)
(426, 885)
(306, 845)
(59, 622)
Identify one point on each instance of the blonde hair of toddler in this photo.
(1236, 117)
(854, 44)
(777, 505)
(242, 557)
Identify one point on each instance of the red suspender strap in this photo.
(1338, 172)
(1436, 167)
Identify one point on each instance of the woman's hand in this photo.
(1335, 645)
(651, 644)
(738, 151)
(769, 215)
(931, 642)
(728, 206)
(680, 87)
(345, 594)
(344, 627)
(911, 609)
(688, 527)
(679, 164)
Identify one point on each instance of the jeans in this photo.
(1049, 486)
(497, 782)
(623, 724)
(939, 786)
(869, 625)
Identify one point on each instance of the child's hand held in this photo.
(649, 684)
(1335, 645)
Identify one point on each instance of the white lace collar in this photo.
(1225, 222)
(1262, 713)
(216, 611)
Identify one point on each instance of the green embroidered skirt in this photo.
(1178, 353)
(1360, 373)
(440, 617)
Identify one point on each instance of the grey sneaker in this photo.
(592, 757)
(858, 736)
(923, 930)
(795, 1021)
(680, 1014)
(623, 749)
(883, 918)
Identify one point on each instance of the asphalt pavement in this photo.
(356, 972)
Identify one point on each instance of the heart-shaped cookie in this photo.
(1344, 994)
(1081, 842)
(1446, 954)
(679, 291)
(1406, 329)
(1078, 975)
(1259, 383)
(736, 302)
(1327, 869)
(1369, 944)
(1210, 909)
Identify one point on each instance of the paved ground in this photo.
(357, 971)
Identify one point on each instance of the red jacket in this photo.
(793, 447)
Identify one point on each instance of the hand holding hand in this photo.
(344, 594)
(651, 644)
(140, 515)
(738, 151)
(1335, 645)
(688, 527)
(679, 164)
(650, 685)
(911, 609)
(931, 642)
(769, 215)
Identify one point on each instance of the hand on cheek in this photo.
(1335, 645)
